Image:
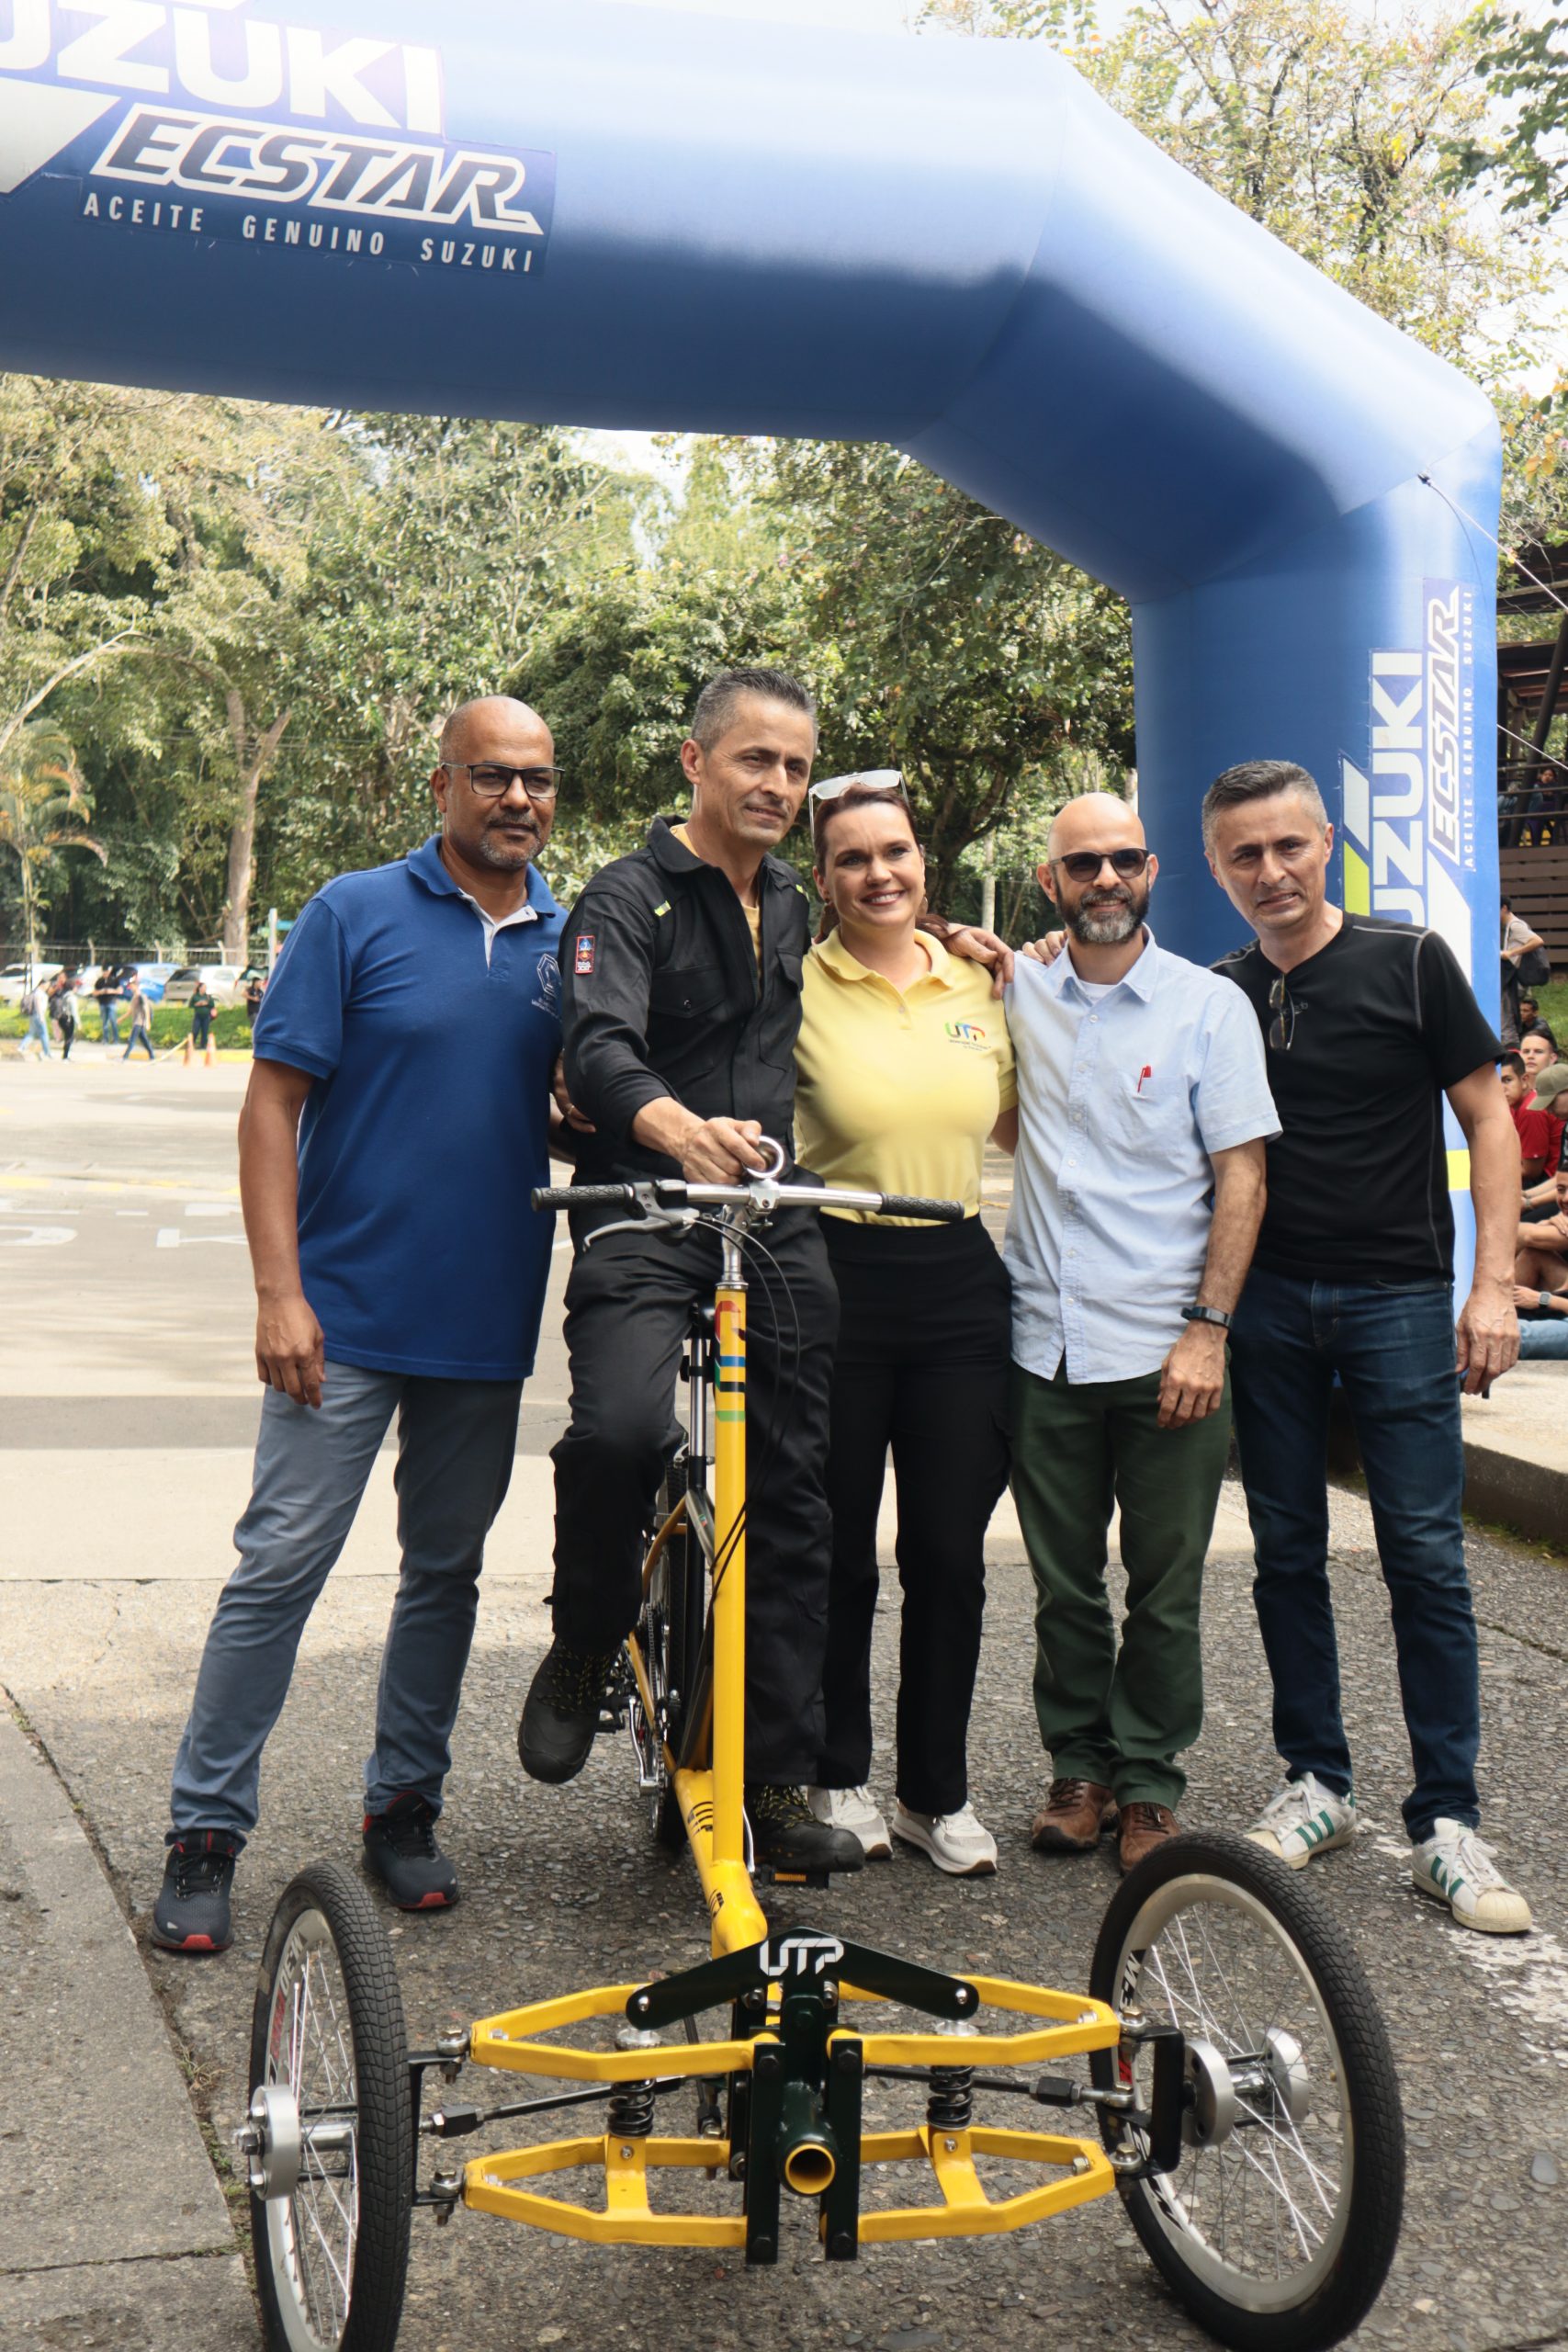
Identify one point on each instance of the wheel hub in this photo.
(271, 2141)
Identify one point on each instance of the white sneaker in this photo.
(955, 1841)
(1453, 1866)
(854, 1810)
(1302, 1819)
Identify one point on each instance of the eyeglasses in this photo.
(833, 787)
(490, 780)
(1084, 865)
(1282, 1028)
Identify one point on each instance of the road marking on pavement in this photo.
(170, 1236)
(133, 1212)
(36, 1237)
(211, 1208)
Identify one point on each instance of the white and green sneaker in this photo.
(1452, 1866)
(1303, 1819)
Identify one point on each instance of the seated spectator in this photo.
(1529, 1011)
(1541, 1263)
(1540, 1137)
(1543, 1326)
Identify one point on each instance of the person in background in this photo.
(1540, 1052)
(203, 1005)
(1371, 1028)
(34, 1009)
(106, 996)
(384, 1164)
(62, 1009)
(902, 1072)
(1522, 950)
(1143, 1112)
(255, 989)
(1541, 1264)
(141, 1024)
(1538, 1143)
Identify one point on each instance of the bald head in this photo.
(1094, 821)
(484, 727)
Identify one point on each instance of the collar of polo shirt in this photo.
(845, 964)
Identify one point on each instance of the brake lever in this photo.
(669, 1220)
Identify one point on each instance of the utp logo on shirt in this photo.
(966, 1033)
(583, 962)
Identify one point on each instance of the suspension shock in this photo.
(631, 2111)
(951, 2107)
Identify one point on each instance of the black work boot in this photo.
(401, 1851)
(191, 1913)
(787, 1836)
(561, 1714)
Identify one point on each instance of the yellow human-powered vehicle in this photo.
(1228, 2062)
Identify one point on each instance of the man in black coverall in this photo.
(682, 971)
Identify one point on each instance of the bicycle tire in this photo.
(330, 2269)
(1330, 2130)
(670, 1634)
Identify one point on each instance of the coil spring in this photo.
(951, 2107)
(631, 2111)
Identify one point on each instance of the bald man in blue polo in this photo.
(399, 1112)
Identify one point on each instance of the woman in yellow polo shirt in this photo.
(904, 1070)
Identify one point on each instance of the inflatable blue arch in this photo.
(602, 215)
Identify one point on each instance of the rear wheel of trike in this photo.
(1278, 2224)
(331, 2182)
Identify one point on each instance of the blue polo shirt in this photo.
(431, 1035)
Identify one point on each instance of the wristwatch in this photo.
(1207, 1315)
(1546, 1301)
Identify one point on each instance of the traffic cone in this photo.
(210, 1056)
(185, 1055)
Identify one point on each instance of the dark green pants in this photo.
(1120, 1716)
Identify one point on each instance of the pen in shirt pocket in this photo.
(1145, 1072)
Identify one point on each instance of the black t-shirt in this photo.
(1379, 1022)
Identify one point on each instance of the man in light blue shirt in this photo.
(1144, 1109)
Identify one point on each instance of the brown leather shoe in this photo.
(1144, 1827)
(1074, 1815)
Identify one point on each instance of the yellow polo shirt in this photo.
(898, 1093)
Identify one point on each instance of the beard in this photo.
(507, 848)
(1109, 921)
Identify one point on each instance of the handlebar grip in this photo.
(931, 1211)
(583, 1196)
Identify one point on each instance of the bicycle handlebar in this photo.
(674, 1193)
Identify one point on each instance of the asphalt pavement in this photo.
(127, 1412)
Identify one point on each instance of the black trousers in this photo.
(923, 1364)
(627, 1301)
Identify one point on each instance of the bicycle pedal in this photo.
(819, 1880)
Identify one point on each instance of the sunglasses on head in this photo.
(833, 787)
(1084, 865)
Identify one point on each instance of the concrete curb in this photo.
(112, 2224)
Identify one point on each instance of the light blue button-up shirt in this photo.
(1124, 1098)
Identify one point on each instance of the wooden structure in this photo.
(1532, 689)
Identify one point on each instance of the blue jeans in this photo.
(1391, 1345)
(139, 1032)
(108, 1024)
(1548, 1338)
(39, 1027)
(456, 1443)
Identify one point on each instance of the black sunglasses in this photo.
(1282, 1028)
(1084, 865)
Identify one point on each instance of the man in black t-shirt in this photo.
(1370, 1026)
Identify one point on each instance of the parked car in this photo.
(15, 980)
(226, 981)
(154, 978)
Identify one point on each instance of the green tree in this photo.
(43, 809)
(941, 639)
(1527, 60)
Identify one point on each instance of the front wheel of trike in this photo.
(1280, 2222)
(332, 2123)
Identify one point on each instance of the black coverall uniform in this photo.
(663, 996)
